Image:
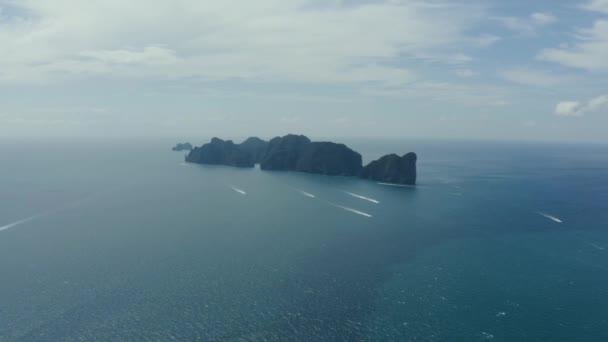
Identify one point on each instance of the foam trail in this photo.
(307, 194)
(238, 190)
(183, 164)
(552, 218)
(22, 221)
(363, 197)
(354, 211)
(398, 185)
(50, 212)
(598, 247)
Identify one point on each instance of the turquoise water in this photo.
(114, 241)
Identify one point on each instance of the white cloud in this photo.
(150, 55)
(466, 73)
(455, 93)
(597, 6)
(487, 39)
(543, 18)
(526, 76)
(263, 40)
(527, 25)
(590, 51)
(568, 108)
(598, 103)
(576, 108)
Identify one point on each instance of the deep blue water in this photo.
(114, 241)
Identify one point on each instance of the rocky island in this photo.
(298, 153)
(182, 147)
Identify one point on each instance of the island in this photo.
(182, 147)
(298, 153)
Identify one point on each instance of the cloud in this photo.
(454, 93)
(589, 52)
(597, 103)
(487, 39)
(596, 6)
(526, 76)
(576, 108)
(568, 108)
(465, 73)
(150, 55)
(527, 25)
(263, 40)
(543, 18)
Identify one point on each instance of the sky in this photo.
(437, 69)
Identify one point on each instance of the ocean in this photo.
(123, 241)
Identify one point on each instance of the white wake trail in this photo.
(399, 185)
(307, 194)
(22, 221)
(362, 197)
(67, 206)
(550, 217)
(240, 191)
(353, 210)
(598, 247)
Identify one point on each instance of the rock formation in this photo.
(392, 169)
(298, 153)
(182, 147)
(282, 153)
(220, 152)
(255, 147)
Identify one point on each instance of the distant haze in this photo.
(485, 69)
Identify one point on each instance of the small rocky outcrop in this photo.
(392, 169)
(182, 147)
(220, 152)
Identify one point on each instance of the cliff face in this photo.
(182, 147)
(220, 152)
(255, 147)
(392, 169)
(329, 159)
(282, 153)
(298, 153)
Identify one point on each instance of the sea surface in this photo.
(122, 241)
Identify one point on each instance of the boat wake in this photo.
(66, 206)
(22, 221)
(362, 197)
(398, 185)
(353, 210)
(307, 194)
(598, 247)
(550, 217)
(240, 191)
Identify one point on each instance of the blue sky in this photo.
(487, 69)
